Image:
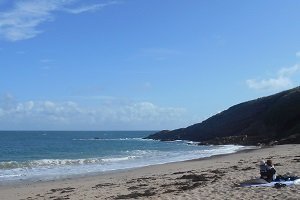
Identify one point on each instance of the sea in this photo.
(51, 155)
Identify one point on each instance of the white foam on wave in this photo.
(119, 159)
(61, 162)
(48, 169)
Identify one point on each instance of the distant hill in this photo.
(272, 119)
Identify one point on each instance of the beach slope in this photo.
(218, 177)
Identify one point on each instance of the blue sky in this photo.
(140, 64)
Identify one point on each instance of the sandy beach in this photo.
(217, 177)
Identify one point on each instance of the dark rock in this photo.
(265, 121)
(195, 177)
(135, 195)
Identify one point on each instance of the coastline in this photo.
(206, 178)
(92, 174)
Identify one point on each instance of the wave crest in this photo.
(61, 162)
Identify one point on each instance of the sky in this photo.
(141, 64)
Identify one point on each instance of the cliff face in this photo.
(264, 120)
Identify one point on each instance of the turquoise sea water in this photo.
(48, 155)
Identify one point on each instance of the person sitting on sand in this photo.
(271, 172)
(263, 170)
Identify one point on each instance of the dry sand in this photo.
(214, 178)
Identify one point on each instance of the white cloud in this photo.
(22, 21)
(282, 81)
(70, 115)
(272, 83)
(298, 54)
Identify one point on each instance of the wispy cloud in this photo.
(146, 86)
(159, 53)
(298, 54)
(46, 60)
(21, 22)
(20, 52)
(283, 80)
(89, 8)
(288, 71)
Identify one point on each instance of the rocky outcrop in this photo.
(272, 119)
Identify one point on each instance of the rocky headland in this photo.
(268, 120)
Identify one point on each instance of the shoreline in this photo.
(99, 173)
(244, 149)
(170, 180)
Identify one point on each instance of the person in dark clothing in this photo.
(271, 172)
(263, 169)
